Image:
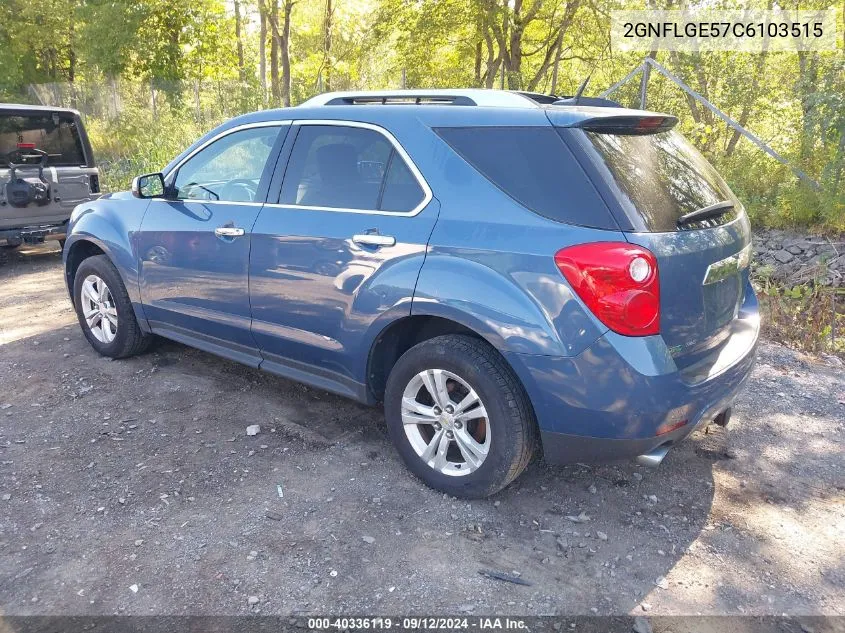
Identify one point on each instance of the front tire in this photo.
(104, 310)
(459, 417)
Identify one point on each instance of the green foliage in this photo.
(132, 144)
(810, 317)
(141, 67)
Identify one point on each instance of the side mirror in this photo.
(148, 186)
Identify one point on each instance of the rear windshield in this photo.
(663, 177)
(534, 167)
(56, 134)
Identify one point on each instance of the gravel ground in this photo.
(131, 487)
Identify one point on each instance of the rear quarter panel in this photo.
(490, 264)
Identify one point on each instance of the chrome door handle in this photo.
(228, 231)
(374, 239)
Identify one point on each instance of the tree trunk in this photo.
(477, 66)
(285, 46)
(275, 89)
(327, 47)
(808, 70)
(262, 50)
(239, 42)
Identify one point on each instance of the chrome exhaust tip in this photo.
(653, 459)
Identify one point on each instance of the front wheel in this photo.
(104, 310)
(459, 417)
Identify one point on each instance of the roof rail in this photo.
(399, 99)
(425, 96)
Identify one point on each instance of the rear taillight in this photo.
(619, 283)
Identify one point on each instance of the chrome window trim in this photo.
(427, 193)
(238, 128)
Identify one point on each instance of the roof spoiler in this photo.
(637, 124)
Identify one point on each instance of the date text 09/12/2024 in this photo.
(418, 623)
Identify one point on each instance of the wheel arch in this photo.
(77, 252)
(82, 246)
(402, 334)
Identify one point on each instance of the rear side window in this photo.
(534, 167)
(56, 134)
(662, 176)
(345, 167)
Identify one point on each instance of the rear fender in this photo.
(505, 311)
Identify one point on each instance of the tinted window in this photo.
(55, 134)
(401, 192)
(662, 177)
(348, 168)
(229, 169)
(535, 168)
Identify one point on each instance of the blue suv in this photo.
(504, 271)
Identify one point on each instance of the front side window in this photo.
(228, 170)
(340, 167)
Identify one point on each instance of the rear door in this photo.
(68, 168)
(341, 245)
(673, 202)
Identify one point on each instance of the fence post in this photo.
(644, 85)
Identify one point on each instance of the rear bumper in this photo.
(610, 401)
(34, 234)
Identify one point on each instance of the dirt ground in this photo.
(131, 487)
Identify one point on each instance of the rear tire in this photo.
(487, 444)
(104, 310)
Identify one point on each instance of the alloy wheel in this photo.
(98, 309)
(446, 422)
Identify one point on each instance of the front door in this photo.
(343, 246)
(194, 246)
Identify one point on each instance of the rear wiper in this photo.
(707, 212)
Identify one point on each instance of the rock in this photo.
(581, 518)
(795, 250)
(641, 625)
(592, 490)
(601, 535)
(7, 497)
(133, 588)
(562, 543)
(275, 516)
(252, 555)
(252, 601)
(139, 542)
(661, 582)
(496, 504)
(783, 256)
(637, 476)
(645, 606)
(369, 540)
(253, 429)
